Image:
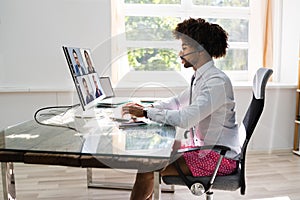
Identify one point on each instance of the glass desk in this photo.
(96, 142)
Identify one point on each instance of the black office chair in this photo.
(232, 182)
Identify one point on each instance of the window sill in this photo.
(235, 84)
(148, 87)
(34, 89)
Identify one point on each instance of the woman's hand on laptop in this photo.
(133, 109)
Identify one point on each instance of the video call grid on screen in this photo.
(84, 75)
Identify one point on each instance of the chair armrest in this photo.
(221, 148)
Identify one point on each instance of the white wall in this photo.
(34, 71)
(290, 41)
(275, 129)
(32, 33)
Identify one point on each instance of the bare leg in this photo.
(143, 186)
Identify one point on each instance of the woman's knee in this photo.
(171, 170)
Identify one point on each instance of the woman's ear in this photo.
(204, 52)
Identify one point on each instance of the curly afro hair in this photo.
(211, 36)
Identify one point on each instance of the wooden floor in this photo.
(269, 176)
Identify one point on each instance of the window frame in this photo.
(184, 11)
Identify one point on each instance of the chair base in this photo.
(209, 195)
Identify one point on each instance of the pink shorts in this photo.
(203, 163)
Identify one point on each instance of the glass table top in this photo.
(99, 136)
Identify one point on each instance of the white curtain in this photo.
(119, 52)
(268, 32)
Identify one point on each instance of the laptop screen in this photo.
(107, 87)
(84, 75)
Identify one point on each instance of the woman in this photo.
(206, 109)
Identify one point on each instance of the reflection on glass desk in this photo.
(152, 140)
(99, 136)
(30, 136)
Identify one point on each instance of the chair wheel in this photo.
(197, 189)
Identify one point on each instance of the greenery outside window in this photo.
(148, 26)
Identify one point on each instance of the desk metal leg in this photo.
(8, 181)
(156, 189)
(122, 186)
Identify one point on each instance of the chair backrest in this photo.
(252, 115)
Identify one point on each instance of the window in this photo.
(150, 44)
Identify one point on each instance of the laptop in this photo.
(110, 97)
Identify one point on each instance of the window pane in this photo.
(237, 29)
(150, 28)
(153, 59)
(235, 59)
(153, 1)
(232, 3)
